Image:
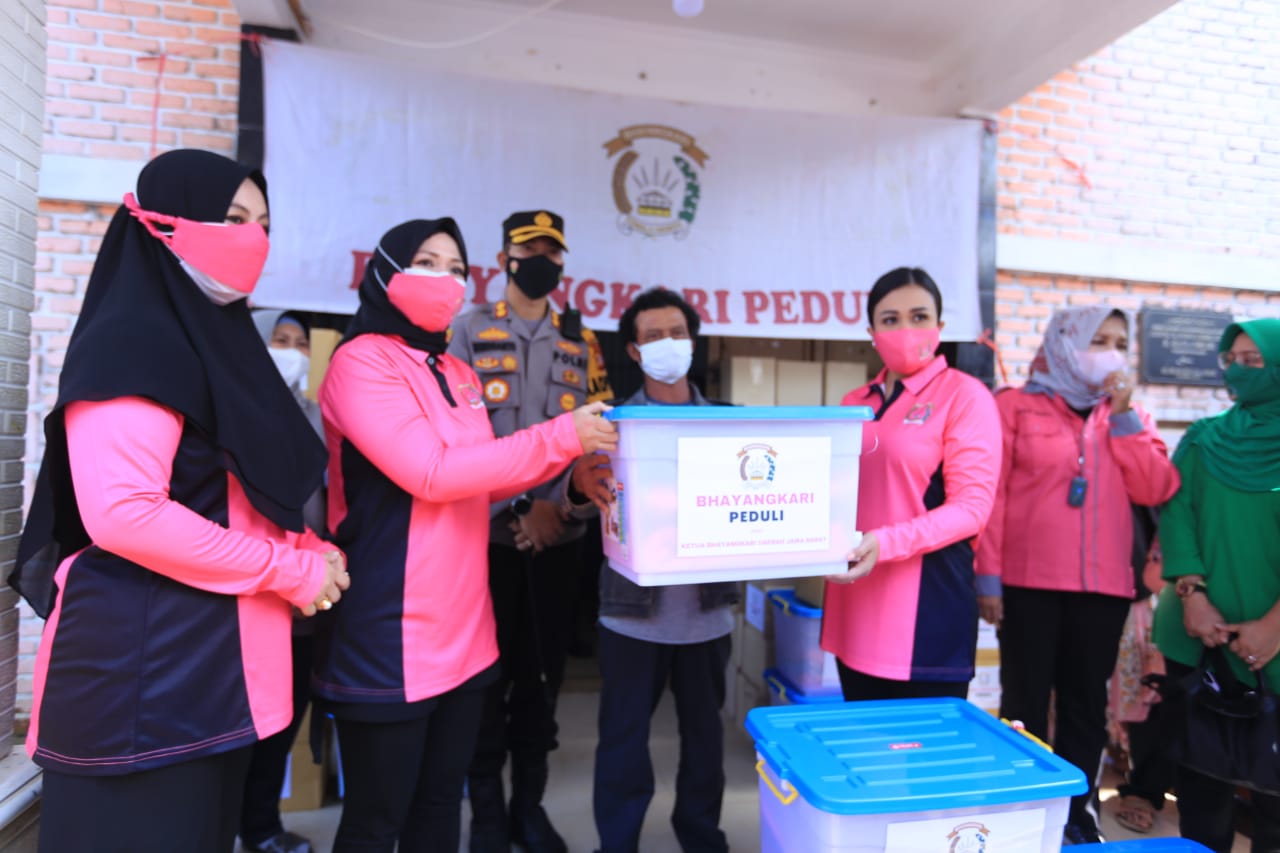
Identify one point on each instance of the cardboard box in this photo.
(810, 591)
(798, 383)
(323, 343)
(749, 381)
(304, 780)
(839, 378)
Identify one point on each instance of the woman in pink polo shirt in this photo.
(165, 543)
(1077, 453)
(413, 470)
(903, 622)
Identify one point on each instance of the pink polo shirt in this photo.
(929, 467)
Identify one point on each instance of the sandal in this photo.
(1135, 814)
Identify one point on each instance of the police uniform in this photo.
(528, 374)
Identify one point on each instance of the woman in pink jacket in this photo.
(413, 469)
(1077, 453)
(165, 543)
(929, 465)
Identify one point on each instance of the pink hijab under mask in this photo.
(1064, 364)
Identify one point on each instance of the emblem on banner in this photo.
(655, 189)
(969, 837)
(757, 465)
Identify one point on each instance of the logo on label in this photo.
(497, 390)
(486, 362)
(569, 347)
(493, 333)
(470, 395)
(757, 464)
(656, 180)
(969, 837)
(508, 362)
(567, 402)
(571, 377)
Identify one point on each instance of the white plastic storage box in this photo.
(783, 692)
(796, 653)
(708, 493)
(905, 776)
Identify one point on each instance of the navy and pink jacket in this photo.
(411, 478)
(929, 466)
(170, 636)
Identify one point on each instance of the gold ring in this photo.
(325, 604)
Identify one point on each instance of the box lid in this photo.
(782, 685)
(786, 601)
(741, 413)
(906, 755)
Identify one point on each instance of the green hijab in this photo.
(1241, 446)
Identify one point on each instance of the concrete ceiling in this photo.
(913, 57)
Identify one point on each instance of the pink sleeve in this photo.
(121, 453)
(990, 546)
(971, 449)
(1150, 477)
(378, 413)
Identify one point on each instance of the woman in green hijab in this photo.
(1221, 541)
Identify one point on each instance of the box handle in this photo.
(785, 800)
(777, 685)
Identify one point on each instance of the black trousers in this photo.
(857, 686)
(1152, 770)
(1063, 643)
(533, 604)
(634, 674)
(404, 779)
(192, 807)
(260, 817)
(1207, 807)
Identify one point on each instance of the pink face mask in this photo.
(906, 351)
(231, 255)
(428, 299)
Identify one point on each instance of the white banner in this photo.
(771, 224)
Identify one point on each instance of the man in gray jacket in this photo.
(654, 636)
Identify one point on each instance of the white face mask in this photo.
(666, 360)
(293, 364)
(217, 292)
(1095, 367)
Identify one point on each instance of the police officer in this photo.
(533, 364)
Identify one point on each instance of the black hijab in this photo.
(146, 330)
(377, 316)
(395, 252)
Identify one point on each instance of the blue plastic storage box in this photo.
(725, 493)
(905, 776)
(796, 653)
(1144, 845)
(783, 692)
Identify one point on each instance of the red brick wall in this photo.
(103, 69)
(1176, 126)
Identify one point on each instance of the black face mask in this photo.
(536, 276)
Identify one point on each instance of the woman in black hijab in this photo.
(165, 542)
(413, 469)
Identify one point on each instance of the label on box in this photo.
(754, 611)
(752, 496)
(1006, 832)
